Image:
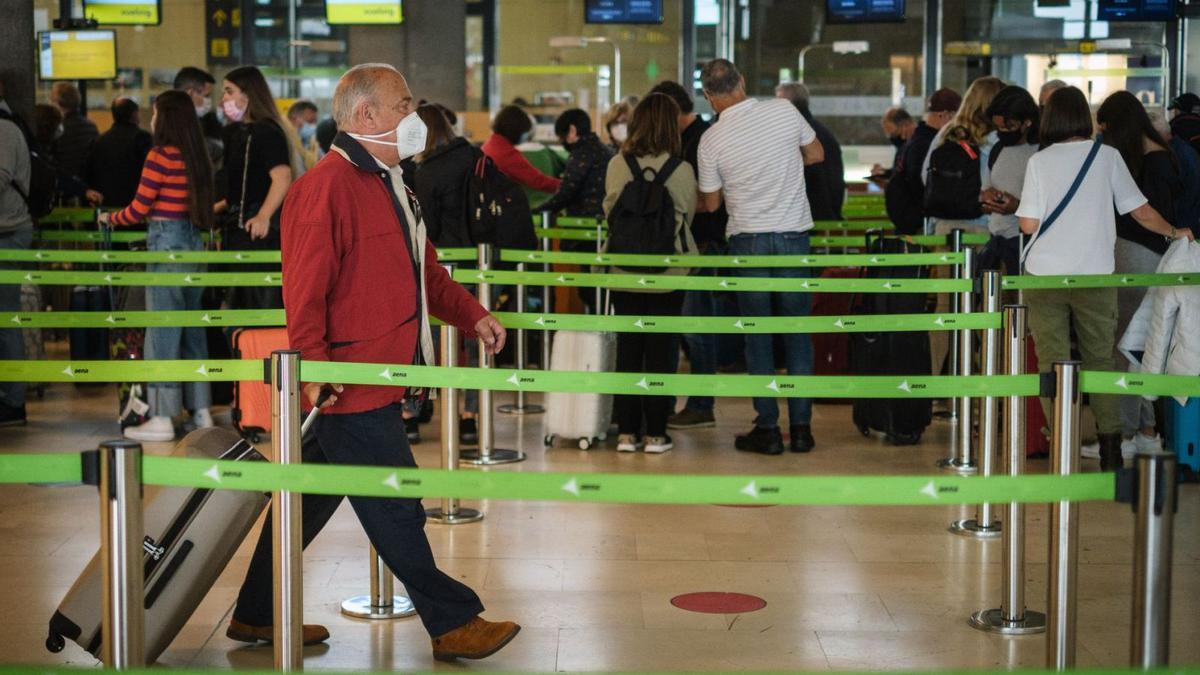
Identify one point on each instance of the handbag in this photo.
(1049, 220)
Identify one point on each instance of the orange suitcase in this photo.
(252, 398)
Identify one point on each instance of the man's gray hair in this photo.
(796, 92)
(1050, 87)
(720, 77)
(356, 85)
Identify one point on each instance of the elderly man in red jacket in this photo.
(360, 280)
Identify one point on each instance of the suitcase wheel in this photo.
(905, 439)
(548, 440)
(55, 642)
(585, 443)
(864, 430)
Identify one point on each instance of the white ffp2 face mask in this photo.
(411, 134)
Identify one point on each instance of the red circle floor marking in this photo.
(718, 603)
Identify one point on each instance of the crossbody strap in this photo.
(1066, 200)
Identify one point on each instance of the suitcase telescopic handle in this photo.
(312, 414)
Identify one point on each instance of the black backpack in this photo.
(905, 209)
(497, 209)
(952, 185)
(42, 174)
(643, 219)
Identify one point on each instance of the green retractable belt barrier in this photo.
(370, 481)
(502, 379)
(457, 254)
(922, 239)
(853, 225)
(712, 261)
(1142, 384)
(176, 319)
(688, 283)
(1037, 282)
(139, 257)
(566, 233)
(528, 321)
(94, 236)
(69, 214)
(60, 278)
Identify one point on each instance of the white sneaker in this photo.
(202, 418)
(1090, 451)
(156, 429)
(627, 443)
(656, 445)
(1129, 449)
(1144, 443)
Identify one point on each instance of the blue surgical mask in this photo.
(307, 132)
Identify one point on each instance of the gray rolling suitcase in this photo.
(191, 534)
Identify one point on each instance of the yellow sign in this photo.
(219, 48)
(77, 55)
(363, 12)
(127, 12)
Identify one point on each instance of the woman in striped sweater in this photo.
(175, 198)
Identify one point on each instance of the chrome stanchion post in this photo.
(521, 407)
(450, 513)
(122, 619)
(382, 603)
(1155, 514)
(1012, 618)
(1064, 520)
(286, 525)
(984, 525)
(956, 246)
(547, 217)
(961, 459)
(487, 455)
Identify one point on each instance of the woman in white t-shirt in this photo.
(1079, 241)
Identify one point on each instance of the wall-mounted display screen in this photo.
(77, 55)
(864, 11)
(124, 12)
(1136, 10)
(363, 12)
(623, 11)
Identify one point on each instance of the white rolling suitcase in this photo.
(581, 418)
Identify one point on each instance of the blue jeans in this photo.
(760, 349)
(167, 398)
(396, 526)
(12, 344)
(702, 347)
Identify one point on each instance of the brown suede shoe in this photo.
(313, 634)
(476, 639)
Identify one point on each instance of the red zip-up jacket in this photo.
(509, 160)
(350, 286)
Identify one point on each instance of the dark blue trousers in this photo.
(396, 526)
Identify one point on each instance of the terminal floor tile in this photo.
(847, 588)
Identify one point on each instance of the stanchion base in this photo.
(514, 409)
(950, 464)
(360, 607)
(992, 621)
(972, 528)
(496, 456)
(460, 517)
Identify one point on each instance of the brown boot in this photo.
(312, 633)
(1110, 452)
(476, 639)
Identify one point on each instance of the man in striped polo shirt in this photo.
(755, 155)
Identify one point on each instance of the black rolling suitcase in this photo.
(890, 353)
(191, 534)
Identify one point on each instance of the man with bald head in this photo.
(360, 281)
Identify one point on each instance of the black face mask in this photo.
(897, 141)
(1010, 137)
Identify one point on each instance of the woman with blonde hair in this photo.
(971, 125)
(616, 121)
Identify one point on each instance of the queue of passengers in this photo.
(753, 182)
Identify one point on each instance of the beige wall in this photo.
(526, 26)
(162, 49)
